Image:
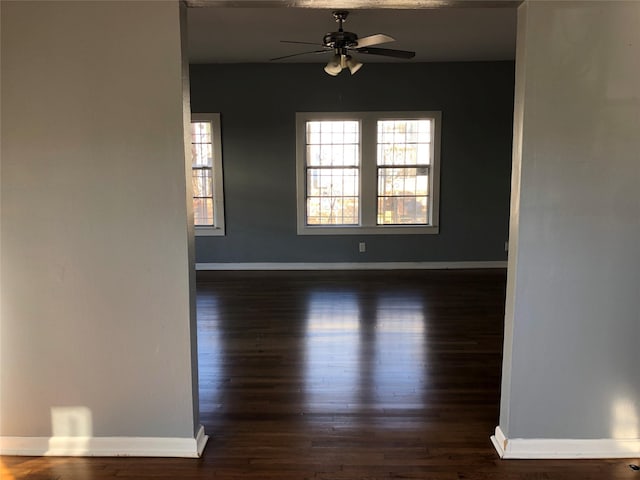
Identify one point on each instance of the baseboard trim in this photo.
(553, 448)
(351, 265)
(499, 442)
(105, 446)
(201, 441)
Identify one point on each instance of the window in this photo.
(368, 172)
(206, 174)
(332, 172)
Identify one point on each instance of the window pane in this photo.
(202, 182)
(423, 154)
(332, 196)
(201, 144)
(403, 181)
(332, 211)
(201, 155)
(332, 182)
(201, 132)
(404, 142)
(333, 143)
(402, 210)
(332, 155)
(203, 211)
(402, 195)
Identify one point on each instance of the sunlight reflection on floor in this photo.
(210, 372)
(5, 474)
(364, 354)
(399, 353)
(332, 351)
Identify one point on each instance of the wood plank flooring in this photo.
(341, 376)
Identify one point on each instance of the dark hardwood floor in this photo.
(343, 375)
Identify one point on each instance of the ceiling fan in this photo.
(343, 44)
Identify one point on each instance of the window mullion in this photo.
(368, 172)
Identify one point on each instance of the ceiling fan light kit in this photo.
(339, 62)
(353, 65)
(342, 44)
(334, 66)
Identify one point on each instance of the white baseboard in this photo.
(351, 265)
(549, 448)
(105, 446)
(499, 442)
(201, 441)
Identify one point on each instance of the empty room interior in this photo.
(318, 240)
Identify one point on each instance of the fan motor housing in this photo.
(340, 39)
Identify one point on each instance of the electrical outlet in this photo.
(362, 247)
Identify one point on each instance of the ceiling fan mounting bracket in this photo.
(340, 16)
(340, 39)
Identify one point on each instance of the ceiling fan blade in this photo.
(376, 39)
(387, 52)
(296, 54)
(303, 43)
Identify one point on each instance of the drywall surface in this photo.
(95, 270)
(573, 311)
(258, 104)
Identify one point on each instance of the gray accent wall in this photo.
(258, 103)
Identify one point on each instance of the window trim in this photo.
(368, 174)
(218, 227)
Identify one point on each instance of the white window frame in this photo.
(217, 229)
(368, 174)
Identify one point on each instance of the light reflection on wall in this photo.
(399, 353)
(71, 431)
(332, 350)
(71, 422)
(209, 352)
(625, 421)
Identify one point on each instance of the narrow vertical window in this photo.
(202, 173)
(404, 160)
(206, 174)
(332, 172)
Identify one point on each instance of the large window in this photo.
(206, 174)
(368, 172)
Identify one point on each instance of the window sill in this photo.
(209, 232)
(376, 230)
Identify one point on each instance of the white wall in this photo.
(96, 296)
(572, 363)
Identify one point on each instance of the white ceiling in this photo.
(252, 35)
